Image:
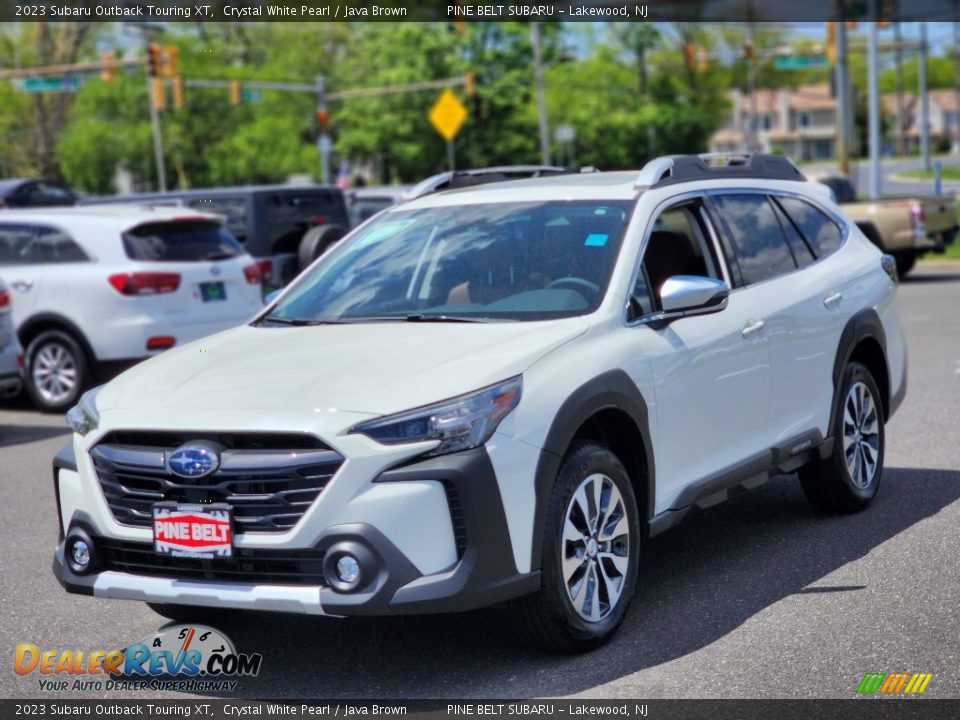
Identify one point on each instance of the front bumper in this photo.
(484, 571)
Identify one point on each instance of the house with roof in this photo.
(800, 123)
(943, 119)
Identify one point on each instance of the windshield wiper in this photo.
(444, 318)
(219, 256)
(298, 322)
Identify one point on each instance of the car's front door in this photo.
(711, 372)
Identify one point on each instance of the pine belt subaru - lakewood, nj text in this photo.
(496, 393)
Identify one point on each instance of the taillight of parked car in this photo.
(917, 218)
(319, 220)
(266, 271)
(253, 273)
(4, 298)
(145, 283)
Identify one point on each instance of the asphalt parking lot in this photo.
(757, 597)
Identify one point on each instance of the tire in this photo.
(905, 263)
(57, 371)
(560, 617)
(317, 241)
(844, 482)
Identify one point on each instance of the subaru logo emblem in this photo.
(193, 461)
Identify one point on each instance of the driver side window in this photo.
(678, 244)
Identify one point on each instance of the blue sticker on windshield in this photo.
(596, 240)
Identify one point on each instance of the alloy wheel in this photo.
(54, 372)
(861, 435)
(595, 548)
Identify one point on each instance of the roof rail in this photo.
(671, 169)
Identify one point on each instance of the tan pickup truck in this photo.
(904, 227)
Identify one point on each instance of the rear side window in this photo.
(58, 247)
(758, 240)
(180, 241)
(16, 244)
(820, 231)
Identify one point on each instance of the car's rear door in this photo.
(809, 320)
(798, 301)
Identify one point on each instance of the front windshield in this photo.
(508, 261)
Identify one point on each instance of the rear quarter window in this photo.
(181, 241)
(822, 233)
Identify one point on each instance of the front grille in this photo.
(269, 481)
(262, 567)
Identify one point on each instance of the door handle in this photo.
(752, 326)
(21, 285)
(832, 300)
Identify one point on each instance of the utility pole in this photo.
(898, 61)
(874, 102)
(541, 94)
(843, 97)
(752, 143)
(323, 136)
(157, 137)
(956, 75)
(924, 99)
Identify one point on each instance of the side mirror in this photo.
(692, 295)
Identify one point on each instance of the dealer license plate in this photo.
(212, 291)
(193, 531)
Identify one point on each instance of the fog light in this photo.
(80, 553)
(348, 569)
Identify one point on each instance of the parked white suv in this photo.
(496, 393)
(108, 285)
(11, 356)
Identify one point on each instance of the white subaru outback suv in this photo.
(492, 394)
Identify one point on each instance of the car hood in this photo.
(366, 368)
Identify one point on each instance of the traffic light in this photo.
(469, 83)
(323, 121)
(171, 61)
(157, 93)
(831, 42)
(154, 60)
(107, 73)
(703, 60)
(234, 92)
(688, 55)
(178, 92)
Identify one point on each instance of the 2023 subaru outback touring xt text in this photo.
(492, 394)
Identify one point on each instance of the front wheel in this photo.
(56, 371)
(848, 479)
(590, 549)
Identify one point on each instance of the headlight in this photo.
(83, 417)
(459, 424)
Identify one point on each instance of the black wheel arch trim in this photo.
(611, 390)
(865, 324)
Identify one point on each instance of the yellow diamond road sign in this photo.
(447, 115)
